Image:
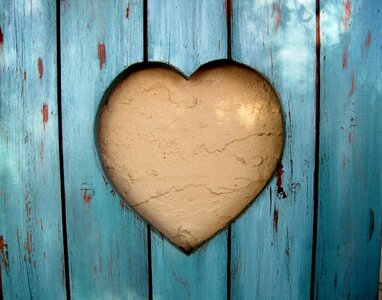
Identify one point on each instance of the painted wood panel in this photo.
(31, 239)
(107, 243)
(187, 34)
(350, 178)
(272, 242)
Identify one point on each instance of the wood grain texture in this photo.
(272, 241)
(350, 178)
(107, 243)
(31, 239)
(187, 34)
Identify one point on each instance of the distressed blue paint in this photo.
(107, 243)
(272, 241)
(30, 199)
(187, 34)
(350, 177)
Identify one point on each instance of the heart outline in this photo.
(152, 64)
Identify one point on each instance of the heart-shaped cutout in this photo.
(189, 155)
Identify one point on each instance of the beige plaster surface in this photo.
(190, 155)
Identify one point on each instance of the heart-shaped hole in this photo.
(189, 155)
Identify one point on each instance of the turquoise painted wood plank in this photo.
(272, 242)
(31, 239)
(350, 178)
(187, 34)
(107, 242)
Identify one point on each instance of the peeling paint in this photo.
(87, 197)
(345, 59)
(352, 88)
(40, 67)
(275, 219)
(347, 14)
(28, 243)
(277, 13)
(45, 113)
(368, 40)
(279, 174)
(128, 10)
(101, 54)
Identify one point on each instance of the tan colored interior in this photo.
(190, 155)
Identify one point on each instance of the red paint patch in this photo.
(351, 92)
(40, 67)
(279, 174)
(1, 37)
(25, 75)
(87, 197)
(4, 253)
(347, 12)
(277, 13)
(368, 40)
(276, 220)
(128, 10)
(345, 59)
(45, 113)
(101, 54)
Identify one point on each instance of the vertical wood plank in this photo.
(31, 239)
(272, 241)
(187, 34)
(107, 242)
(350, 178)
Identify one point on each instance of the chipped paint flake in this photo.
(45, 113)
(352, 88)
(101, 54)
(40, 67)
(275, 219)
(347, 14)
(128, 10)
(279, 174)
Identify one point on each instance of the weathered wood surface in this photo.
(31, 239)
(272, 242)
(350, 177)
(107, 243)
(187, 34)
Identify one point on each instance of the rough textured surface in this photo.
(350, 178)
(272, 242)
(31, 239)
(190, 155)
(107, 243)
